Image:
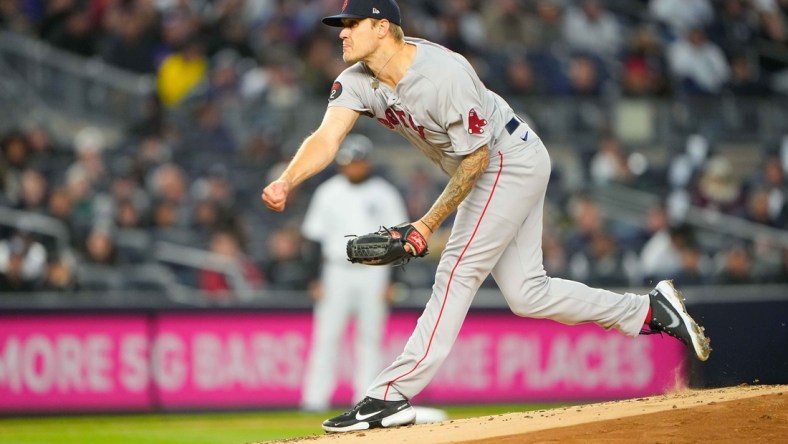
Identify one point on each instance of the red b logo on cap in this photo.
(344, 5)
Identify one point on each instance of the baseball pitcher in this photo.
(498, 171)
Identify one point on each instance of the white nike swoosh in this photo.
(361, 417)
(674, 320)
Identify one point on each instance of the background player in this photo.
(352, 202)
(498, 169)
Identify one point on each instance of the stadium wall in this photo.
(209, 360)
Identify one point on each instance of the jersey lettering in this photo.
(386, 123)
(397, 117)
(401, 115)
(392, 116)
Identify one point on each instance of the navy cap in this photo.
(359, 9)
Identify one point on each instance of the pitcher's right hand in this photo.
(275, 194)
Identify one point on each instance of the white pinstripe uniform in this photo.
(442, 108)
(339, 206)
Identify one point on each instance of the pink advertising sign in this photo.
(237, 360)
(67, 362)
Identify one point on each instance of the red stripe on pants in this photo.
(451, 276)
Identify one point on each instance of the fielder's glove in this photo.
(387, 246)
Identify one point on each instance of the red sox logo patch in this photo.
(336, 90)
(475, 123)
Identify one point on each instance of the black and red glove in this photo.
(387, 246)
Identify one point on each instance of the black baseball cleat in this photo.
(669, 315)
(372, 413)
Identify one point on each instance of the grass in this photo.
(196, 428)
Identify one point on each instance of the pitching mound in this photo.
(733, 414)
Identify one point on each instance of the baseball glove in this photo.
(387, 246)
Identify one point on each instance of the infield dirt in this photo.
(725, 415)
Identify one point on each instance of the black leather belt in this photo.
(512, 125)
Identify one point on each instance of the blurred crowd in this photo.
(191, 172)
(588, 47)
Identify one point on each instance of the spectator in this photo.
(208, 140)
(152, 153)
(520, 78)
(736, 267)
(179, 26)
(766, 259)
(180, 72)
(451, 35)
(215, 283)
(33, 191)
(719, 189)
(592, 29)
(224, 87)
(556, 262)
(735, 28)
(100, 247)
(772, 178)
(54, 17)
(609, 164)
(421, 189)
(168, 186)
(14, 16)
(772, 38)
(82, 203)
(229, 28)
(694, 267)
(781, 276)
(644, 65)
(45, 153)
(322, 65)
(22, 262)
(16, 154)
(677, 17)
(746, 81)
(290, 265)
(217, 186)
(759, 210)
(59, 276)
(698, 65)
(125, 186)
(586, 221)
(130, 41)
(283, 89)
(549, 27)
(89, 146)
(601, 263)
(75, 33)
(164, 216)
(510, 27)
(128, 215)
(61, 207)
(207, 219)
(661, 256)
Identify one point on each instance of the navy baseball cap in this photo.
(359, 9)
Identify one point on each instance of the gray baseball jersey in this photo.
(443, 108)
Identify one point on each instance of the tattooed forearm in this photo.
(460, 185)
